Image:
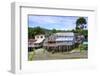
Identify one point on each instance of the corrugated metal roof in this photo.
(64, 39)
(64, 34)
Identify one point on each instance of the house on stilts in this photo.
(60, 42)
(37, 42)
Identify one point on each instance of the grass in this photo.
(81, 48)
(31, 55)
(79, 52)
(77, 48)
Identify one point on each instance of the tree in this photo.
(54, 31)
(35, 31)
(30, 33)
(81, 21)
(38, 30)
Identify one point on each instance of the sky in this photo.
(53, 22)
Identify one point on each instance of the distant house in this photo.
(62, 41)
(37, 42)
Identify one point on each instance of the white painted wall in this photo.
(5, 42)
(39, 37)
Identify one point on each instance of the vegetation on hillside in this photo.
(80, 22)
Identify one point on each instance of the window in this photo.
(41, 36)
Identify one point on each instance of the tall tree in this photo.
(81, 21)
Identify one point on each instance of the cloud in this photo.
(50, 22)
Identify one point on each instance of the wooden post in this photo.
(67, 48)
(62, 48)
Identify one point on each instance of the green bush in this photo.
(83, 47)
(31, 55)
